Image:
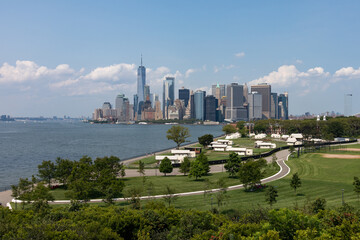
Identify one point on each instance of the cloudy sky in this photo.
(68, 57)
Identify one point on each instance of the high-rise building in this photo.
(274, 106)
(136, 105)
(199, 100)
(168, 93)
(255, 106)
(141, 81)
(283, 110)
(146, 92)
(246, 93)
(119, 105)
(235, 109)
(184, 94)
(222, 88)
(211, 104)
(265, 90)
(192, 105)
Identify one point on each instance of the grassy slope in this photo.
(321, 177)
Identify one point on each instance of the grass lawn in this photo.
(321, 177)
(179, 183)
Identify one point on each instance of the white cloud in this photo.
(346, 73)
(190, 71)
(25, 71)
(118, 72)
(239, 54)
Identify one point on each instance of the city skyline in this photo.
(60, 60)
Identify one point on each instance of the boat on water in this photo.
(143, 123)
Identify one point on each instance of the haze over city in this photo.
(67, 58)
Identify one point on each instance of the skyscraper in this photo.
(222, 90)
(211, 104)
(141, 81)
(168, 94)
(274, 106)
(184, 94)
(146, 92)
(199, 100)
(235, 109)
(265, 90)
(283, 111)
(255, 107)
(119, 106)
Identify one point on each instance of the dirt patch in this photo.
(350, 149)
(341, 156)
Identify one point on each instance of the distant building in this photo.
(141, 81)
(274, 106)
(146, 91)
(199, 100)
(265, 91)
(283, 109)
(184, 94)
(235, 109)
(211, 105)
(192, 105)
(168, 94)
(158, 112)
(255, 106)
(221, 89)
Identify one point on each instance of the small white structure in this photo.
(185, 153)
(252, 135)
(233, 136)
(219, 147)
(261, 144)
(284, 137)
(298, 136)
(274, 135)
(225, 141)
(291, 141)
(316, 140)
(260, 136)
(173, 159)
(240, 151)
(341, 139)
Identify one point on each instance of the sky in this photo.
(68, 57)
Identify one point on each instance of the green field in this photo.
(321, 177)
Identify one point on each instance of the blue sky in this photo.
(68, 57)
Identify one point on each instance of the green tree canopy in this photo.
(185, 166)
(295, 181)
(271, 195)
(200, 167)
(206, 139)
(228, 129)
(166, 166)
(251, 172)
(178, 134)
(46, 171)
(232, 164)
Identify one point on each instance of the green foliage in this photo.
(63, 170)
(228, 129)
(251, 172)
(206, 139)
(200, 167)
(232, 164)
(169, 195)
(178, 134)
(46, 171)
(318, 204)
(166, 166)
(295, 182)
(185, 166)
(141, 168)
(356, 184)
(271, 195)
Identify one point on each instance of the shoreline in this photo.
(5, 196)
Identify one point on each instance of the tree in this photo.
(232, 164)
(356, 184)
(185, 166)
(229, 129)
(178, 134)
(251, 172)
(170, 195)
(295, 181)
(46, 171)
(271, 195)
(141, 168)
(41, 197)
(63, 170)
(220, 195)
(122, 170)
(318, 204)
(206, 139)
(166, 166)
(199, 167)
(134, 193)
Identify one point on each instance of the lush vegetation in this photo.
(333, 127)
(155, 221)
(178, 134)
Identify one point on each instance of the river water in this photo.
(24, 145)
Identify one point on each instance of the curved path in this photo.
(284, 170)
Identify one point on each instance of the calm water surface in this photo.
(25, 145)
